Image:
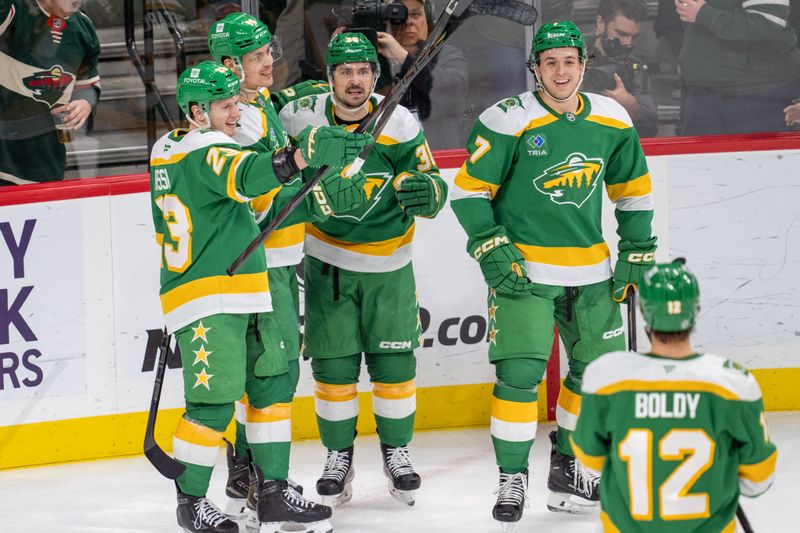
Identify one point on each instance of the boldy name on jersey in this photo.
(666, 404)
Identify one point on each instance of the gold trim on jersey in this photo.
(759, 472)
(593, 462)
(664, 386)
(233, 192)
(471, 184)
(565, 255)
(608, 525)
(238, 284)
(284, 237)
(171, 160)
(261, 204)
(377, 248)
(640, 186)
(608, 121)
(537, 123)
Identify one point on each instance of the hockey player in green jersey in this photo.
(529, 199)
(48, 72)
(359, 282)
(201, 182)
(245, 45)
(678, 435)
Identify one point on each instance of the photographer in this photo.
(438, 94)
(618, 69)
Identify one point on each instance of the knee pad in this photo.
(391, 367)
(216, 416)
(520, 373)
(336, 370)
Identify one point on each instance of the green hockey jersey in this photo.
(377, 236)
(201, 182)
(677, 441)
(538, 173)
(260, 129)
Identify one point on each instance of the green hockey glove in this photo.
(502, 264)
(333, 146)
(420, 194)
(634, 260)
(297, 91)
(344, 193)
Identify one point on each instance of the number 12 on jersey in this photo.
(693, 447)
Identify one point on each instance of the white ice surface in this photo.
(457, 468)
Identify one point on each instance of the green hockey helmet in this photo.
(237, 34)
(669, 297)
(206, 82)
(557, 35)
(352, 48)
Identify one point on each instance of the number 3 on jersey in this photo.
(178, 253)
(691, 446)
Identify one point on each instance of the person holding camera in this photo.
(438, 95)
(617, 68)
(361, 302)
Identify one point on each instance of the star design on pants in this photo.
(493, 311)
(200, 332)
(201, 355)
(493, 335)
(203, 379)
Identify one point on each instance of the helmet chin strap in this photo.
(200, 125)
(540, 86)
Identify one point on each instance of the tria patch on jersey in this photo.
(511, 103)
(48, 85)
(536, 144)
(572, 181)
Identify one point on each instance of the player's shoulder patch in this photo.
(305, 104)
(512, 115)
(736, 367)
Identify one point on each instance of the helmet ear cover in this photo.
(669, 297)
(206, 82)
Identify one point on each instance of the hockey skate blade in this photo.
(236, 508)
(336, 500)
(251, 523)
(407, 497)
(508, 527)
(558, 502)
(323, 526)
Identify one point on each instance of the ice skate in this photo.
(335, 486)
(199, 515)
(280, 509)
(238, 482)
(512, 496)
(573, 488)
(403, 481)
(251, 522)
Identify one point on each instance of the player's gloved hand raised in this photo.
(337, 193)
(332, 146)
(297, 91)
(420, 194)
(501, 262)
(634, 260)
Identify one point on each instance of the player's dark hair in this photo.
(671, 337)
(636, 10)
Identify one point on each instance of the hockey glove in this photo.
(420, 194)
(502, 264)
(333, 146)
(344, 193)
(297, 91)
(634, 260)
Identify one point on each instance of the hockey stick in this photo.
(445, 25)
(743, 521)
(630, 300)
(166, 465)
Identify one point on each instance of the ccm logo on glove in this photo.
(642, 258)
(488, 245)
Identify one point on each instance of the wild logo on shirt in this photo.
(572, 181)
(373, 190)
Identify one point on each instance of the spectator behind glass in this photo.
(439, 92)
(616, 67)
(48, 74)
(739, 65)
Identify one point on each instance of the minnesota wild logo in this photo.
(307, 103)
(510, 103)
(373, 190)
(572, 181)
(48, 85)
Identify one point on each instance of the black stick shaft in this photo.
(631, 302)
(743, 521)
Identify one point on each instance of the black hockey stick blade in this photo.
(166, 465)
(512, 10)
(631, 301)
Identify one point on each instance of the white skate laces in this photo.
(295, 498)
(584, 481)
(336, 466)
(512, 489)
(207, 513)
(398, 461)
